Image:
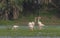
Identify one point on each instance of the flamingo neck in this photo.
(38, 20)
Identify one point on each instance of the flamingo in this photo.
(15, 27)
(40, 23)
(31, 25)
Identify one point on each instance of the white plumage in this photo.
(40, 23)
(31, 25)
(15, 27)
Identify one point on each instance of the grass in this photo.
(44, 19)
(48, 31)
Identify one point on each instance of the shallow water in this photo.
(3, 27)
(26, 27)
(27, 37)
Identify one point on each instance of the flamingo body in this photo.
(31, 25)
(15, 27)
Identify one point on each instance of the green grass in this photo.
(50, 31)
(25, 20)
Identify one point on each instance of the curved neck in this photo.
(38, 19)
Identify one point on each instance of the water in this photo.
(26, 27)
(28, 37)
(3, 27)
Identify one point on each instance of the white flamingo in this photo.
(40, 23)
(31, 25)
(15, 27)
